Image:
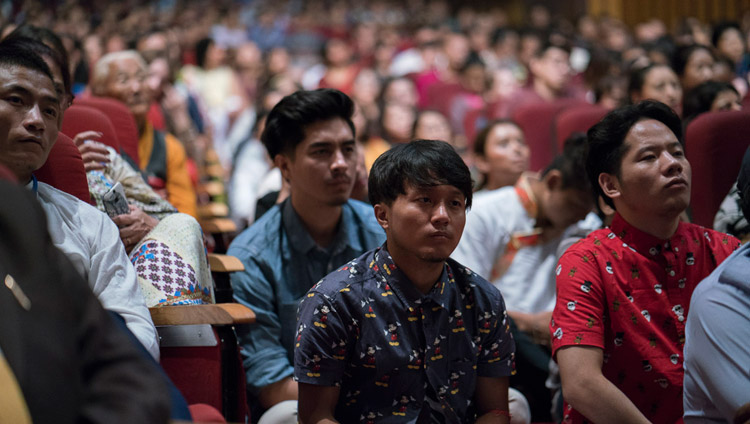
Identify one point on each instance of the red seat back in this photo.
(536, 120)
(715, 143)
(64, 169)
(79, 118)
(576, 119)
(122, 120)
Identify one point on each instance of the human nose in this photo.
(440, 215)
(339, 161)
(673, 164)
(33, 120)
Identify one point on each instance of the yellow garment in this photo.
(13, 407)
(180, 190)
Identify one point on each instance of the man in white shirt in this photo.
(30, 116)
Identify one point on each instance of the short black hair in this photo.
(58, 53)
(637, 78)
(421, 163)
(719, 29)
(287, 121)
(12, 55)
(606, 139)
(743, 185)
(682, 56)
(699, 99)
(547, 45)
(201, 50)
(572, 163)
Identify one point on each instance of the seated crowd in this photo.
(410, 250)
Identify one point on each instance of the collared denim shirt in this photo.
(282, 262)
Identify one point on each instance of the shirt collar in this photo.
(644, 243)
(403, 288)
(301, 241)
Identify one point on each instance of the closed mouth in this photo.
(677, 182)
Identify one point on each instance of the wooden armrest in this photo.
(224, 263)
(218, 314)
(218, 225)
(213, 210)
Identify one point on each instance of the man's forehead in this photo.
(649, 131)
(31, 79)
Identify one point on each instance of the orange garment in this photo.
(374, 147)
(180, 190)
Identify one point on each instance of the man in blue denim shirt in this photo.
(310, 136)
(404, 333)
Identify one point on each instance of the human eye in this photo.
(14, 99)
(51, 111)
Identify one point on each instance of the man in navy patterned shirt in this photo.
(403, 333)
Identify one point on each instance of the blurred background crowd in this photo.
(415, 68)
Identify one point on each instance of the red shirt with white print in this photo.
(628, 293)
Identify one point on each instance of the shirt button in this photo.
(671, 273)
(680, 318)
(676, 249)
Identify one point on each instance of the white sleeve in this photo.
(113, 280)
(483, 241)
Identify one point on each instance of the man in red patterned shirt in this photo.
(623, 292)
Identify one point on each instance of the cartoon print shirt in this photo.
(628, 293)
(395, 351)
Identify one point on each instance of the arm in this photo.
(588, 391)
(264, 358)
(492, 394)
(180, 190)
(285, 389)
(536, 325)
(113, 280)
(134, 226)
(317, 403)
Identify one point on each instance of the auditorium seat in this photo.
(122, 121)
(536, 120)
(714, 144)
(576, 119)
(79, 119)
(64, 169)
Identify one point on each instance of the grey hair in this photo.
(101, 70)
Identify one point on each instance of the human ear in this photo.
(609, 185)
(381, 214)
(553, 180)
(283, 163)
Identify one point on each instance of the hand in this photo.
(95, 155)
(134, 226)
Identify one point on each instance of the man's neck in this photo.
(544, 91)
(423, 274)
(321, 221)
(660, 226)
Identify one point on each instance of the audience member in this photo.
(122, 76)
(710, 96)
(31, 110)
(694, 64)
(63, 359)
(655, 82)
(623, 293)
(500, 154)
(511, 238)
(717, 380)
(404, 331)
(310, 137)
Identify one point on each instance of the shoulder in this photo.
(262, 236)
(174, 145)
(363, 214)
(468, 279)
(350, 280)
(68, 205)
(716, 241)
